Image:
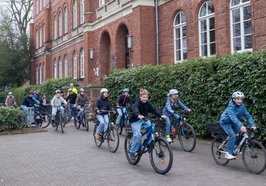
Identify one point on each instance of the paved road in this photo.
(72, 159)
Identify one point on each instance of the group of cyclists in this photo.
(230, 119)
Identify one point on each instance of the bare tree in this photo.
(22, 13)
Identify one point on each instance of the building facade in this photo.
(87, 39)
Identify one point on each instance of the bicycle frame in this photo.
(149, 133)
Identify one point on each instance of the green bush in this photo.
(205, 85)
(10, 118)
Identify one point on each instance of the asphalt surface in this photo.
(52, 158)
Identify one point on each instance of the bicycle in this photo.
(186, 133)
(158, 148)
(124, 122)
(110, 135)
(68, 114)
(82, 120)
(59, 119)
(253, 152)
(41, 117)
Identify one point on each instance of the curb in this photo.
(23, 131)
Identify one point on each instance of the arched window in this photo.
(180, 37)
(36, 7)
(207, 29)
(82, 73)
(60, 24)
(66, 66)
(65, 20)
(40, 33)
(75, 66)
(43, 33)
(36, 39)
(241, 27)
(41, 5)
(75, 14)
(81, 16)
(41, 79)
(37, 75)
(60, 68)
(55, 69)
(55, 27)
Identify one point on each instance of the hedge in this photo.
(205, 85)
(10, 118)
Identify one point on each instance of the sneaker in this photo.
(229, 156)
(97, 136)
(169, 140)
(53, 123)
(132, 156)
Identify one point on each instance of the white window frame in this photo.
(55, 69)
(240, 6)
(75, 14)
(180, 26)
(75, 66)
(207, 18)
(101, 3)
(43, 33)
(40, 80)
(82, 65)
(65, 66)
(37, 38)
(81, 16)
(37, 75)
(65, 20)
(60, 15)
(55, 27)
(40, 35)
(60, 68)
(41, 5)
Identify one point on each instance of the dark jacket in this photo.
(102, 103)
(123, 100)
(140, 108)
(82, 99)
(29, 101)
(71, 98)
(233, 113)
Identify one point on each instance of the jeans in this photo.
(104, 121)
(81, 109)
(231, 130)
(168, 123)
(136, 127)
(121, 112)
(54, 111)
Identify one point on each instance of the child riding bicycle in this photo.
(102, 105)
(140, 110)
(230, 121)
(57, 103)
(122, 102)
(168, 110)
(81, 100)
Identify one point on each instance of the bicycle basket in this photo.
(215, 128)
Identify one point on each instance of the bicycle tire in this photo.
(38, 120)
(61, 121)
(187, 133)
(98, 143)
(157, 151)
(111, 137)
(76, 123)
(121, 126)
(48, 121)
(252, 150)
(86, 123)
(218, 157)
(127, 144)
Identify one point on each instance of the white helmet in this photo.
(238, 94)
(172, 92)
(81, 90)
(10, 93)
(103, 90)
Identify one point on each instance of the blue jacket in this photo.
(168, 108)
(233, 113)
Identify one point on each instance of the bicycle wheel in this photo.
(38, 119)
(161, 156)
(99, 142)
(61, 123)
(254, 157)
(46, 122)
(218, 151)
(77, 123)
(68, 116)
(121, 126)
(86, 122)
(187, 137)
(113, 139)
(127, 146)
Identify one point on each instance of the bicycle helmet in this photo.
(125, 90)
(81, 90)
(57, 91)
(10, 93)
(173, 92)
(238, 94)
(103, 90)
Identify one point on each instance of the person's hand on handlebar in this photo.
(163, 116)
(141, 116)
(243, 129)
(254, 128)
(189, 110)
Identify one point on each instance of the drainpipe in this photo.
(157, 31)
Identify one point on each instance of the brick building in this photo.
(86, 39)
